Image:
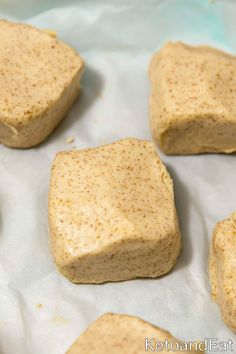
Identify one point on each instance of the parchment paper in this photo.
(40, 311)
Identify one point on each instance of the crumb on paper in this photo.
(70, 140)
(60, 320)
(39, 305)
(57, 318)
(74, 147)
(51, 33)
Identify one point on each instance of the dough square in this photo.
(39, 80)
(222, 269)
(112, 214)
(193, 99)
(116, 334)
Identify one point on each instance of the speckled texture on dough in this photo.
(39, 80)
(120, 334)
(222, 268)
(192, 103)
(111, 213)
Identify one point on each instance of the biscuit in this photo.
(112, 214)
(39, 80)
(192, 103)
(116, 334)
(222, 269)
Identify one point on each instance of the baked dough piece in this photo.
(222, 268)
(123, 334)
(112, 214)
(192, 104)
(39, 80)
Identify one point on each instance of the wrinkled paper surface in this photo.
(40, 311)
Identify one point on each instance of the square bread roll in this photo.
(124, 334)
(222, 269)
(112, 214)
(39, 80)
(193, 99)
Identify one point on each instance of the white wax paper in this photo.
(40, 311)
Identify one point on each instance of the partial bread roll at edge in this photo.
(39, 80)
(112, 214)
(222, 268)
(192, 103)
(124, 334)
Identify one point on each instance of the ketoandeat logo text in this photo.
(209, 344)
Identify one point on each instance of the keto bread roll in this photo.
(192, 103)
(39, 80)
(124, 334)
(222, 268)
(112, 214)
